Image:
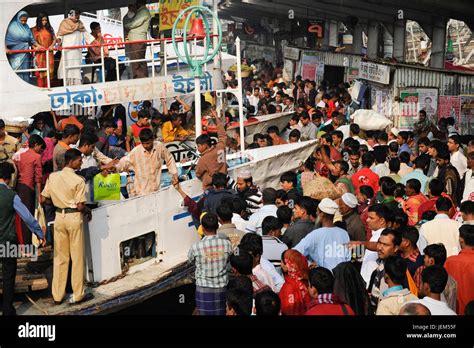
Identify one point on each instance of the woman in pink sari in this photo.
(294, 295)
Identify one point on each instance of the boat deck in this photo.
(113, 296)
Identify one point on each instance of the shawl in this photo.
(67, 26)
(19, 37)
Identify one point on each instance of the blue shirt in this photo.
(404, 148)
(417, 174)
(325, 246)
(26, 216)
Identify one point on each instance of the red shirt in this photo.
(431, 206)
(331, 108)
(461, 268)
(329, 306)
(335, 155)
(30, 169)
(365, 177)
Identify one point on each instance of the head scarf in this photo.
(298, 270)
(67, 26)
(19, 37)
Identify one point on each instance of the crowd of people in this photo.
(373, 222)
(66, 64)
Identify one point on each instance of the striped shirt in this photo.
(211, 258)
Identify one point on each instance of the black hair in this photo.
(270, 223)
(273, 129)
(88, 139)
(219, 180)
(411, 234)
(338, 134)
(290, 177)
(367, 159)
(71, 155)
(39, 22)
(381, 210)
(204, 139)
(307, 204)
(436, 187)
(6, 170)
(424, 141)
(240, 282)
(284, 214)
(414, 184)
(354, 128)
(367, 191)
(34, 140)
(295, 133)
(253, 243)
(327, 137)
(396, 267)
(443, 204)
(269, 196)
(437, 252)
(404, 157)
(210, 222)
(242, 261)
(393, 146)
(388, 186)
(70, 130)
(380, 154)
(467, 207)
(436, 277)
(2, 124)
(322, 279)
(240, 301)
(282, 195)
(344, 166)
(466, 232)
(94, 25)
(396, 235)
(444, 155)
(394, 165)
(350, 287)
(267, 303)
(382, 136)
(456, 139)
(428, 215)
(399, 217)
(224, 212)
(421, 162)
(400, 190)
(404, 135)
(146, 134)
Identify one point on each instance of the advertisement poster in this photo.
(375, 72)
(311, 68)
(466, 123)
(169, 11)
(409, 109)
(288, 70)
(449, 106)
(428, 101)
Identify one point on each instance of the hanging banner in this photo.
(375, 72)
(291, 53)
(449, 106)
(169, 11)
(466, 122)
(311, 68)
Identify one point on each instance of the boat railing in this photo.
(114, 44)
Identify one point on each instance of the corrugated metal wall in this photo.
(336, 59)
(447, 83)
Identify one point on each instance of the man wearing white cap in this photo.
(326, 245)
(392, 135)
(354, 225)
(248, 191)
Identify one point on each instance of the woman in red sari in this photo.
(44, 35)
(294, 295)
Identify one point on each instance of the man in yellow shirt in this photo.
(173, 131)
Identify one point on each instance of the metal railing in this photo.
(115, 46)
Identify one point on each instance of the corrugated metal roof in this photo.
(336, 59)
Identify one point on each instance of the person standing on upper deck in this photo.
(213, 157)
(72, 33)
(137, 29)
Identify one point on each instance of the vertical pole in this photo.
(215, 39)
(165, 57)
(152, 59)
(117, 64)
(48, 76)
(63, 57)
(197, 105)
(102, 61)
(163, 67)
(239, 95)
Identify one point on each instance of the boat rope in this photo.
(36, 305)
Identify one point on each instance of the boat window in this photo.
(137, 250)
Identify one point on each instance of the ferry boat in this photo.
(157, 224)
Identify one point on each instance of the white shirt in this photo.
(277, 279)
(381, 169)
(369, 263)
(468, 187)
(273, 248)
(253, 100)
(254, 225)
(459, 161)
(239, 222)
(436, 307)
(442, 230)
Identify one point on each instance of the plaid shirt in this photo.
(211, 258)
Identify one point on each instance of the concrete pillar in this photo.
(373, 39)
(438, 48)
(357, 40)
(399, 40)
